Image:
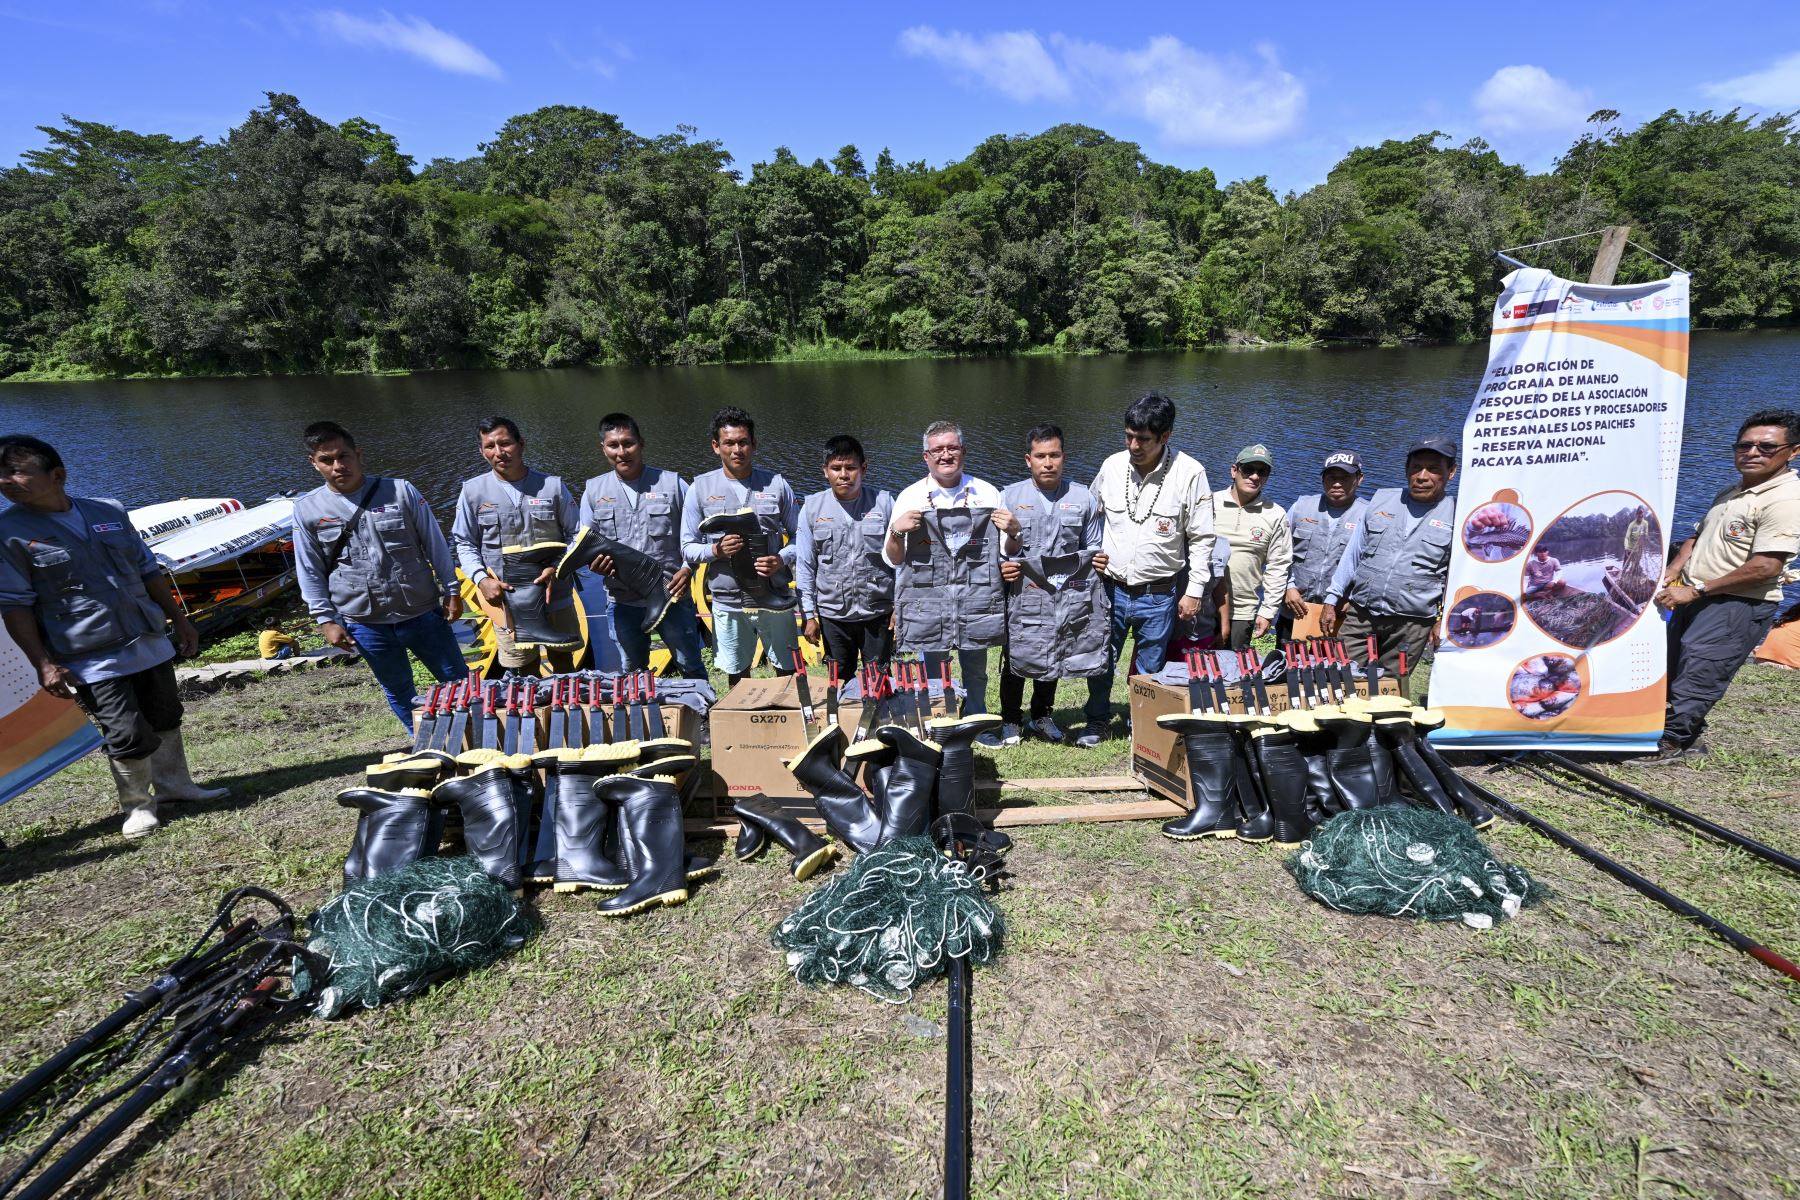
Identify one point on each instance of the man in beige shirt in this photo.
(1262, 548)
(1158, 515)
(1722, 586)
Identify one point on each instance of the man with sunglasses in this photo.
(1722, 588)
(1262, 550)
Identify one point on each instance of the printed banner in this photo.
(39, 734)
(1564, 499)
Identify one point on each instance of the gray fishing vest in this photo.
(1318, 543)
(90, 596)
(1398, 575)
(1057, 620)
(851, 579)
(384, 576)
(946, 600)
(649, 521)
(716, 492)
(506, 515)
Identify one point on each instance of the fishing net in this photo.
(1400, 861)
(392, 936)
(892, 921)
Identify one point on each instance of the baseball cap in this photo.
(1434, 442)
(1343, 460)
(1257, 453)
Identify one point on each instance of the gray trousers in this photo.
(1708, 641)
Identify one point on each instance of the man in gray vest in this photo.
(375, 570)
(510, 505)
(846, 586)
(945, 543)
(85, 601)
(641, 506)
(744, 611)
(1321, 525)
(1390, 582)
(1056, 619)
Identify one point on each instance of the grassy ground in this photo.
(1170, 1020)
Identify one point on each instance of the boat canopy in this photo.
(157, 522)
(224, 538)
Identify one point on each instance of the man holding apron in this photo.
(846, 586)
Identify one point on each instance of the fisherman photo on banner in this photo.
(375, 570)
(510, 505)
(86, 602)
(640, 508)
(846, 585)
(944, 544)
(1056, 619)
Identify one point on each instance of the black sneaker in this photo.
(1091, 735)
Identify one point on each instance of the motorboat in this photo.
(226, 566)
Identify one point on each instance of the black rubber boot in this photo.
(415, 774)
(1381, 761)
(906, 791)
(1474, 811)
(391, 831)
(1321, 801)
(956, 777)
(495, 807)
(631, 567)
(1352, 772)
(1284, 775)
(655, 850)
(582, 824)
(540, 617)
(1251, 788)
(846, 810)
(810, 851)
(1207, 743)
(758, 592)
(752, 838)
(1398, 732)
(869, 763)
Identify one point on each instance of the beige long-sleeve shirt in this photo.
(1262, 553)
(1157, 523)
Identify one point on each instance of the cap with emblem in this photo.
(1436, 443)
(1257, 453)
(1343, 460)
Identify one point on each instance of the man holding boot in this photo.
(510, 505)
(945, 545)
(375, 570)
(85, 601)
(641, 507)
(735, 521)
(1056, 618)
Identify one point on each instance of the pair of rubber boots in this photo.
(1432, 780)
(1247, 778)
(543, 614)
(913, 780)
(161, 775)
(651, 848)
(397, 823)
(759, 591)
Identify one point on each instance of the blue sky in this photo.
(1281, 90)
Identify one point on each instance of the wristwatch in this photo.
(1699, 586)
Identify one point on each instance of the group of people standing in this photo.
(1055, 574)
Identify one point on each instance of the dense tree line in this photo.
(293, 245)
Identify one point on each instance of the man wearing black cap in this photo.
(1320, 526)
(1390, 582)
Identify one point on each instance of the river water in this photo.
(142, 441)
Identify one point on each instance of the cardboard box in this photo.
(756, 729)
(1156, 756)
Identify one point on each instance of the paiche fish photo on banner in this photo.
(1548, 636)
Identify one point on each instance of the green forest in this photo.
(293, 245)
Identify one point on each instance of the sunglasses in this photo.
(1762, 447)
(1253, 468)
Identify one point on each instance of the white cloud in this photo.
(608, 56)
(1014, 64)
(409, 35)
(1775, 86)
(1191, 97)
(1526, 99)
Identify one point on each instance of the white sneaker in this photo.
(1009, 735)
(1046, 728)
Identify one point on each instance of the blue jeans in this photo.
(973, 664)
(1150, 618)
(680, 632)
(384, 648)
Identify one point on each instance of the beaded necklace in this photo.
(1162, 469)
